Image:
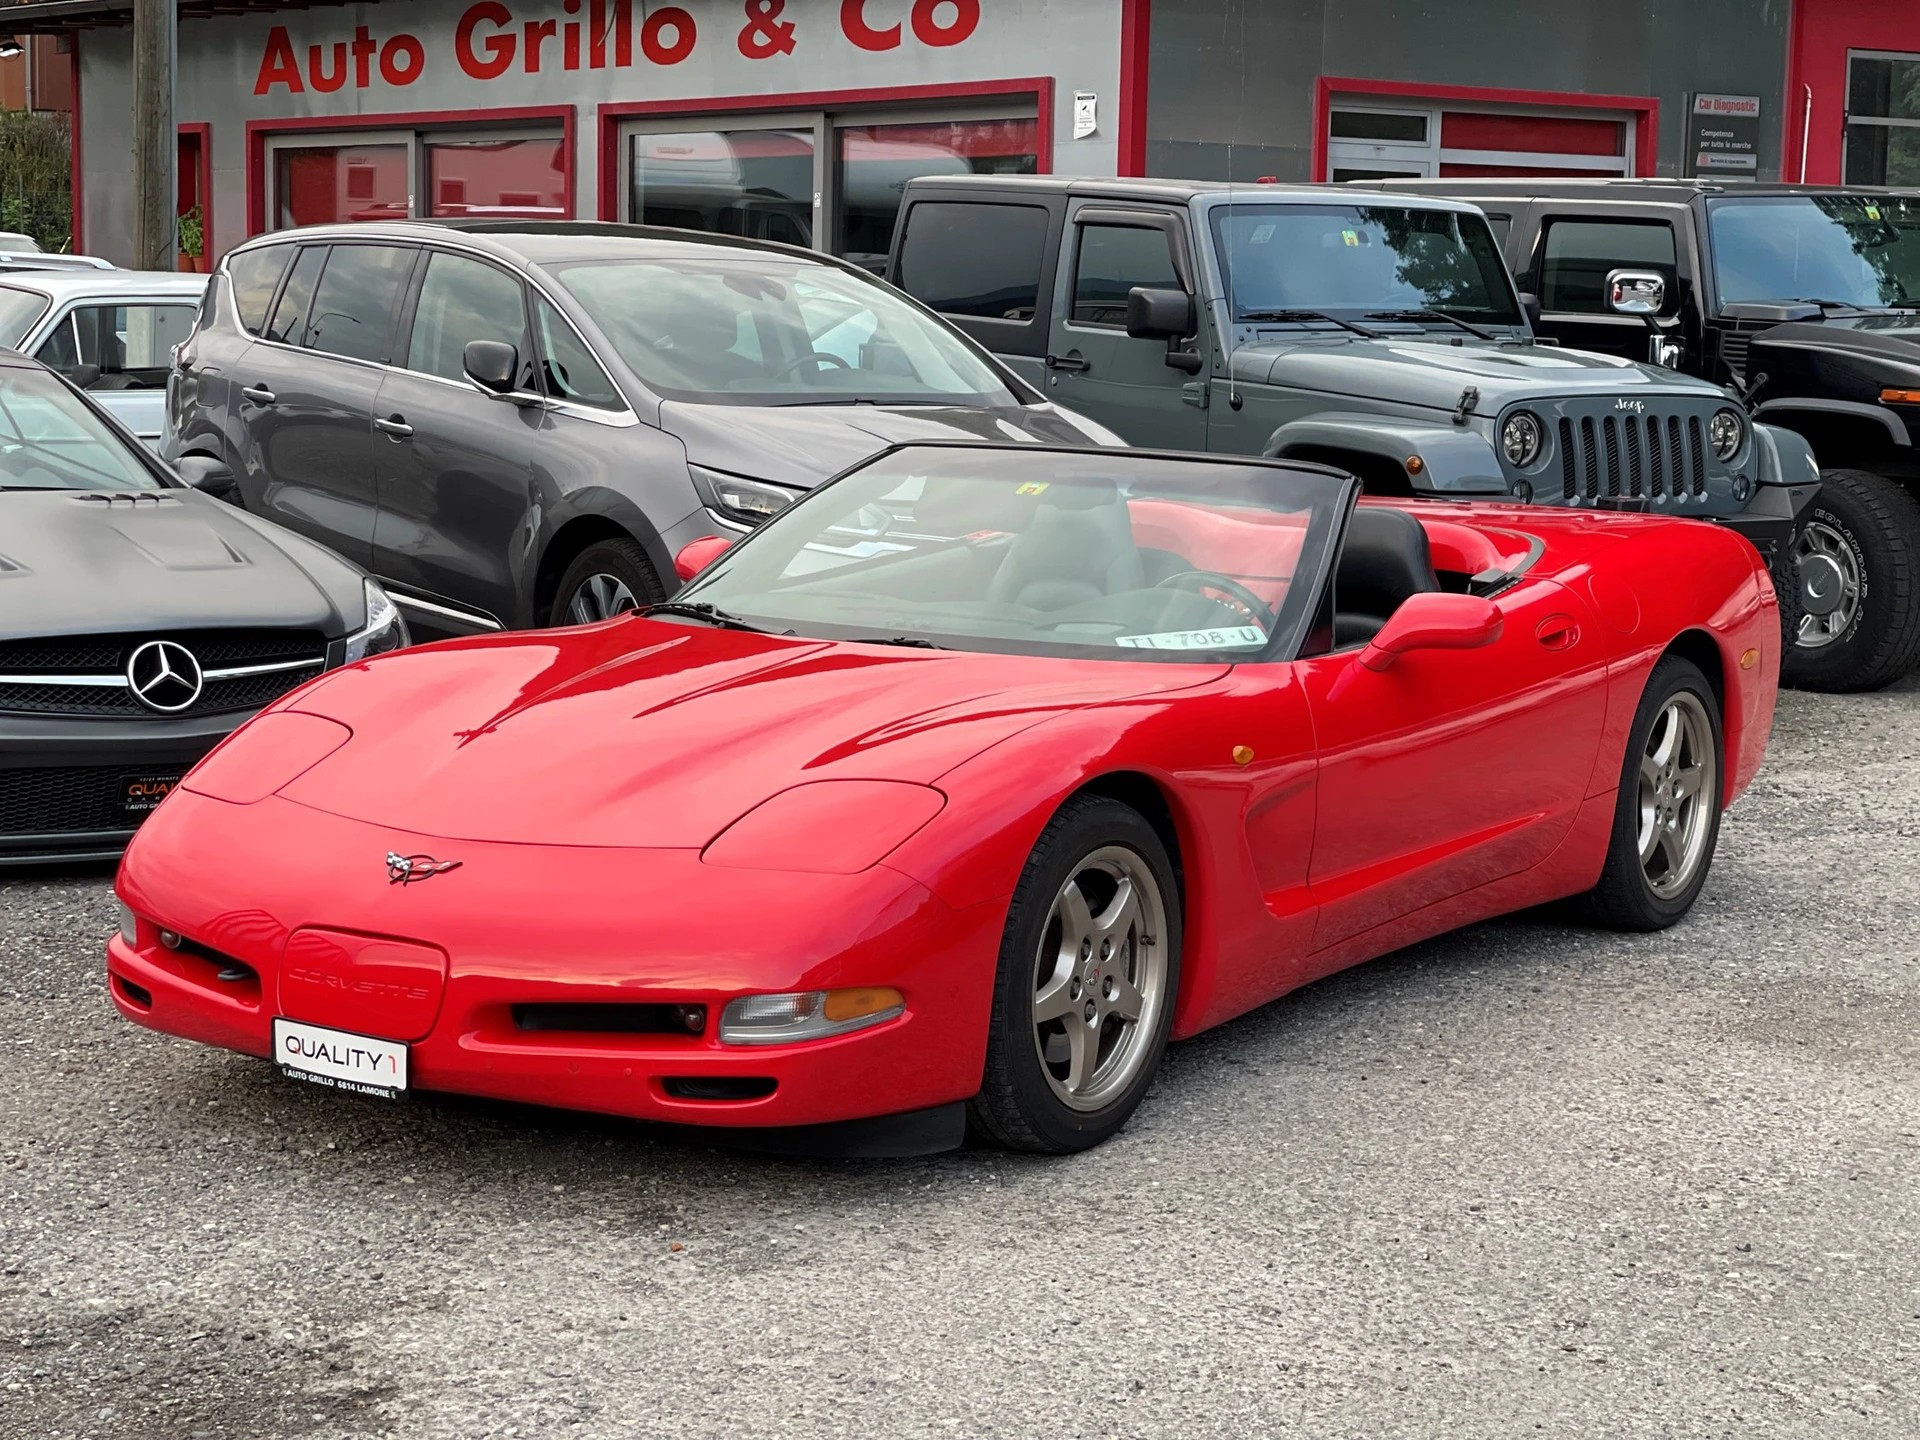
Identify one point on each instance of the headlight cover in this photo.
(1520, 439)
(1726, 432)
(743, 501)
(385, 629)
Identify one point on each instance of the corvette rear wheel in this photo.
(608, 578)
(1667, 817)
(1083, 999)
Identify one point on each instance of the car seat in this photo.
(1384, 560)
(1078, 546)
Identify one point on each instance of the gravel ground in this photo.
(1523, 1180)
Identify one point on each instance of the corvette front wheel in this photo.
(1083, 999)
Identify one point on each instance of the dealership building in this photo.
(801, 120)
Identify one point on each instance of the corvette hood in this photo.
(647, 733)
(74, 562)
(802, 445)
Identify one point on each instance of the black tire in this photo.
(1878, 522)
(622, 560)
(1786, 589)
(1626, 897)
(1017, 1106)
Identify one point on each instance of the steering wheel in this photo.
(812, 357)
(1243, 599)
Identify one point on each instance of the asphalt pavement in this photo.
(1525, 1180)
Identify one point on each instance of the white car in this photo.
(111, 332)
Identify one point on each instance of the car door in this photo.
(305, 393)
(1093, 366)
(453, 464)
(1452, 768)
(1574, 250)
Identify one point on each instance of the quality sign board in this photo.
(1723, 134)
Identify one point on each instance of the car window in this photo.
(127, 344)
(462, 300)
(290, 315)
(253, 274)
(1111, 261)
(51, 440)
(354, 302)
(977, 260)
(571, 372)
(1579, 253)
(18, 310)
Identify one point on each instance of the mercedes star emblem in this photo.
(164, 676)
(405, 869)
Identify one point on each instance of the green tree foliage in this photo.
(36, 176)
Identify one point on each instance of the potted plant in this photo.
(193, 239)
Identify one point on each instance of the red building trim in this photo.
(1136, 34)
(607, 204)
(77, 183)
(260, 131)
(203, 132)
(1644, 108)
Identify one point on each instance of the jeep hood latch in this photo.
(1469, 398)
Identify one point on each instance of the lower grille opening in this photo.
(205, 966)
(719, 1087)
(613, 1019)
(136, 995)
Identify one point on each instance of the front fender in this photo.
(1455, 460)
(592, 502)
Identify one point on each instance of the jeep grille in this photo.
(1657, 456)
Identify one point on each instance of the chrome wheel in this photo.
(1679, 795)
(600, 597)
(1100, 978)
(1830, 587)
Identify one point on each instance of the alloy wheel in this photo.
(600, 597)
(1100, 978)
(1829, 585)
(1679, 795)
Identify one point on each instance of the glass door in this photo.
(875, 157)
(759, 180)
(340, 177)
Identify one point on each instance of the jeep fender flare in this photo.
(1454, 460)
(1872, 417)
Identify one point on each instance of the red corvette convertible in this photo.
(949, 796)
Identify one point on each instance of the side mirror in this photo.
(204, 473)
(1159, 314)
(696, 555)
(493, 365)
(84, 377)
(1636, 292)
(1530, 307)
(1434, 621)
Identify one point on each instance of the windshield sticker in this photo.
(1352, 237)
(1261, 234)
(1232, 638)
(1873, 212)
(1033, 487)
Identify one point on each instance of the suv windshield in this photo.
(1107, 556)
(768, 330)
(1854, 249)
(1360, 260)
(18, 310)
(50, 440)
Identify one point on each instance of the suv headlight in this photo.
(385, 628)
(1520, 439)
(1726, 431)
(744, 502)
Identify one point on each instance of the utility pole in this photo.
(155, 148)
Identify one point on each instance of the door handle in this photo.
(1557, 632)
(259, 394)
(1067, 362)
(394, 426)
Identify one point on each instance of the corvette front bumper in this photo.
(555, 965)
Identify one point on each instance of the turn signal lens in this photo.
(806, 1015)
(129, 925)
(1900, 397)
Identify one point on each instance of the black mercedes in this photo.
(141, 620)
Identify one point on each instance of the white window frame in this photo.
(1425, 159)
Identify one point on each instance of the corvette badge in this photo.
(405, 869)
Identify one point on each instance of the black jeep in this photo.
(1806, 300)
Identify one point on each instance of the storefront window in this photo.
(876, 161)
(1883, 120)
(320, 184)
(520, 179)
(757, 184)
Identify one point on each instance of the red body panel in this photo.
(1323, 813)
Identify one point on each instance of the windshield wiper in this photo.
(1412, 315)
(712, 614)
(911, 642)
(1300, 317)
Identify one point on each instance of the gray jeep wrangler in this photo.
(1380, 334)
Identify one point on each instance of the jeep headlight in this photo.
(1726, 431)
(385, 629)
(1520, 439)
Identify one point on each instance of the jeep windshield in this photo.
(774, 330)
(1361, 262)
(1861, 250)
(1025, 551)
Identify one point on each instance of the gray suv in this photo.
(522, 424)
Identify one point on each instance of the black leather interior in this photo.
(1385, 560)
(1078, 547)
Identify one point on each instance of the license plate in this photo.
(340, 1059)
(141, 793)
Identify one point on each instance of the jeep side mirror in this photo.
(1159, 314)
(1636, 292)
(493, 365)
(696, 555)
(1434, 621)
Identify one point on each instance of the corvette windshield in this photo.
(49, 440)
(1854, 249)
(1052, 552)
(1361, 260)
(773, 330)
